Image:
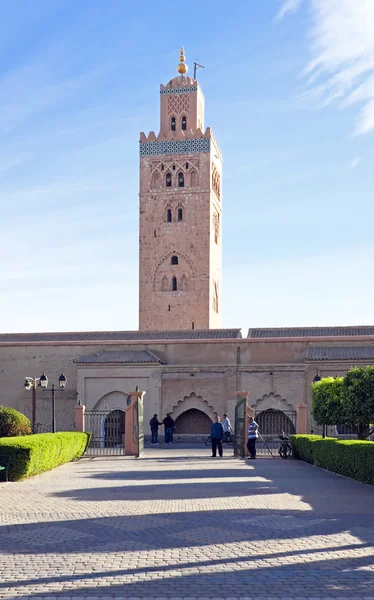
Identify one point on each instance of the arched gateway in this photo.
(193, 421)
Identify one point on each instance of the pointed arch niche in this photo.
(156, 180)
(184, 272)
(184, 284)
(194, 179)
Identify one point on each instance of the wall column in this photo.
(301, 418)
(132, 434)
(80, 417)
(249, 412)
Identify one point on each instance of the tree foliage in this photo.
(328, 406)
(359, 399)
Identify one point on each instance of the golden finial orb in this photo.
(182, 68)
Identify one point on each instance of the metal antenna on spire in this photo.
(196, 66)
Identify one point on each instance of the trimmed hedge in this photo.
(13, 423)
(35, 454)
(352, 458)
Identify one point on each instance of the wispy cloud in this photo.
(33, 88)
(341, 68)
(354, 163)
(290, 6)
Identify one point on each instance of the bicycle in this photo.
(285, 449)
(228, 439)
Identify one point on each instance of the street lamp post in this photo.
(62, 383)
(31, 383)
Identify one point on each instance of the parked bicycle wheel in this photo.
(229, 439)
(208, 441)
(285, 451)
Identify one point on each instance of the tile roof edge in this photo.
(164, 342)
(117, 331)
(317, 327)
(157, 359)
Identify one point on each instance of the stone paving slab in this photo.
(186, 527)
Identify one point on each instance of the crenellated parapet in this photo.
(177, 135)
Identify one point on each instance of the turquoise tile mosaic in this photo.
(174, 147)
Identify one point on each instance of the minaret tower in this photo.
(180, 214)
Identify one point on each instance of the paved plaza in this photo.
(178, 524)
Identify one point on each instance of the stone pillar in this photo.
(249, 412)
(80, 417)
(301, 418)
(131, 424)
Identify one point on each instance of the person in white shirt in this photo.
(227, 429)
(252, 437)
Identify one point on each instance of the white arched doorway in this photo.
(106, 423)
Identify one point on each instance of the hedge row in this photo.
(352, 458)
(34, 454)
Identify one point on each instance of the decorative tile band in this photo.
(174, 147)
(184, 90)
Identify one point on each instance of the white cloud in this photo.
(290, 6)
(341, 68)
(354, 163)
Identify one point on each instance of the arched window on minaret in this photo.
(193, 179)
(180, 179)
(164, 284)
(173, 124)
(174, 285)
(184, 123)
(174, 260)
(168, 179)
(180, 214)
(169, 216)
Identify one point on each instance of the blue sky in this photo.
(289, 90)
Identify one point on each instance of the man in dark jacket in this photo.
(169, 426)
(154, 423)
(217, 436)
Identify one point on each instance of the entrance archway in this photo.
(193, 421)
(273, 421)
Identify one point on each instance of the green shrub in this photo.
(35, 454)
(352, 458)
(302, 446)
(13, 423)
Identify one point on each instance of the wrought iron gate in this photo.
(107, 430)
(271, 423)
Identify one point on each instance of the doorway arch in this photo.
(193, 421)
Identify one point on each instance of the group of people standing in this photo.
(220, 430)
(169, 425)
(218, 433)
